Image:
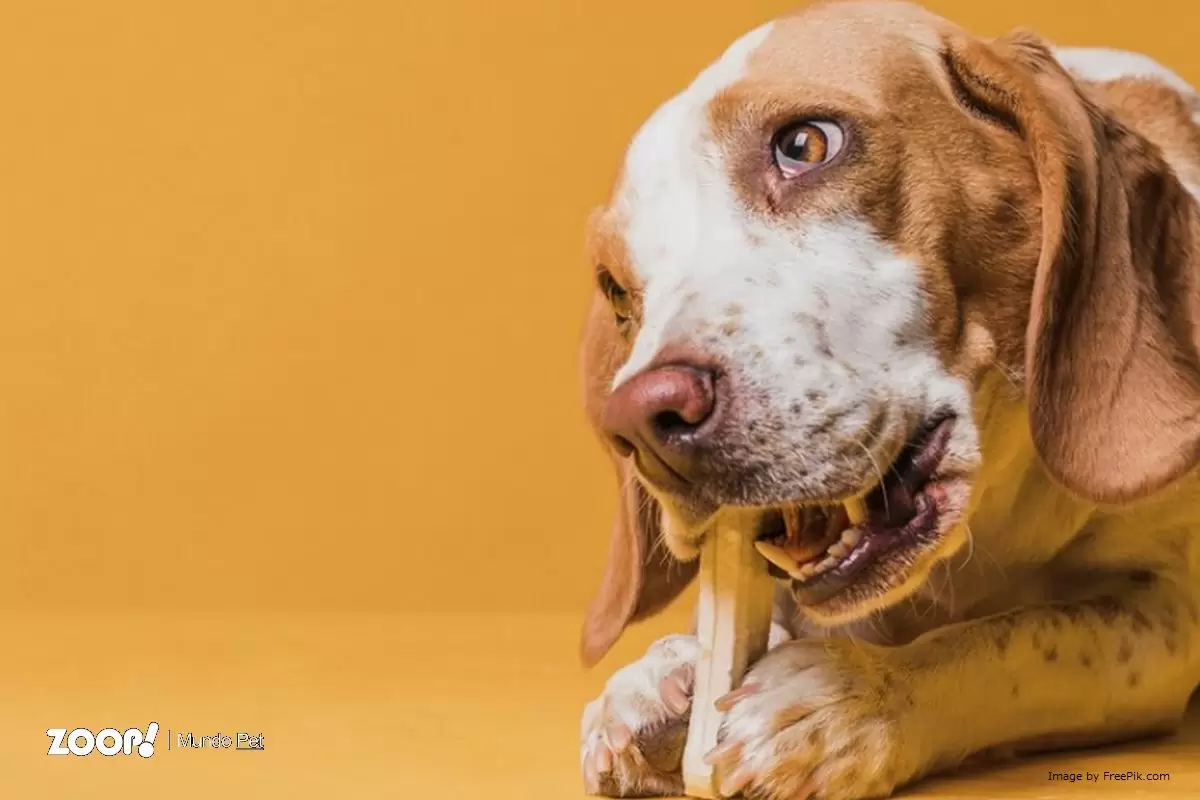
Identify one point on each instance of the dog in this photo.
(869, 256)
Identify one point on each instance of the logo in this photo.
(108, 742)
(219, 741)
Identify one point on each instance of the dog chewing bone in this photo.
(733, 621)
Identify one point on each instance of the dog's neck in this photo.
(1018, 518)
(1028, 535)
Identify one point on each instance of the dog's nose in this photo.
(661, 415)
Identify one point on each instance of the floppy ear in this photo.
(1111, 367)
(640, 577)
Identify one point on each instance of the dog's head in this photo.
(815, 257)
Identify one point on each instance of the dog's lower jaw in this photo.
(676, 538)
(858, 602)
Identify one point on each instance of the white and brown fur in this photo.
(1017, 240)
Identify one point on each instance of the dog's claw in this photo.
(674, 692)
(728, 701)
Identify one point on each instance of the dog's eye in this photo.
(618, 296)
(804, 146)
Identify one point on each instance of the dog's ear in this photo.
(640, 577)
(1111, 367)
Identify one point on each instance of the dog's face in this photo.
(813, 258)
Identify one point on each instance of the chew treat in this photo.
(733, 621)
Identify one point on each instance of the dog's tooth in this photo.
(852, 536)
(793, 524)
(828, 563)
(856, 510)
(806, 571)
(837, 550)
(777, 556)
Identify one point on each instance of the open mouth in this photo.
(824, 548)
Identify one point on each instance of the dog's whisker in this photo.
(970, 547)
(879, 473)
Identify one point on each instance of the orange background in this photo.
(291, 291)
(290, 299)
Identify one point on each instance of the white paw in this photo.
(814, 719)
(633, 734)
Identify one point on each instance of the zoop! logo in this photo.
(108, 742)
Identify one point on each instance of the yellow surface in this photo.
(365, 706)
(289, 302)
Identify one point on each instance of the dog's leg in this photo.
(843, 719)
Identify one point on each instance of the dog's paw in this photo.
(633, 734)
(814, 719)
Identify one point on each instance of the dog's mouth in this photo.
(824, 551)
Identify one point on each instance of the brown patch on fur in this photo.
(1158, 112)
(1124, 651)
(1085, 659)
(1140, 621)
(662, 747)
(1146, 402)
(1135, 678)
(729, 328)
(824, 347)
(1171, 644)
(735, 309)
(1002, 640)
(828, 421)
(1051, 655)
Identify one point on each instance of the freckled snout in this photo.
(665, 416)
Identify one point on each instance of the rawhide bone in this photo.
(733, 622)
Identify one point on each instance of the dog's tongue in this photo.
(811, 529)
